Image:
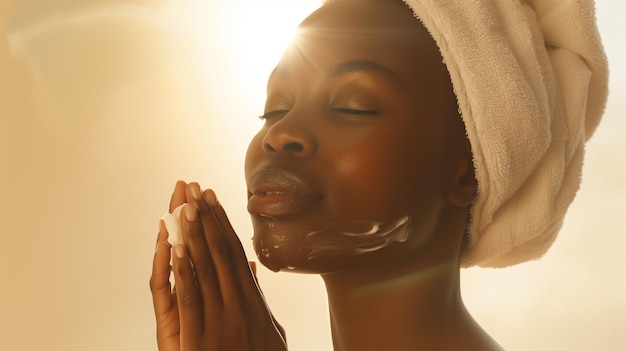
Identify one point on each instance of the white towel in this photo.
(531, 82)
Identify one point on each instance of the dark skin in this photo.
(216, 304)
(361, 126)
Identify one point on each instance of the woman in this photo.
(363, 173)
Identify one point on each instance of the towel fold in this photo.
(531, 80)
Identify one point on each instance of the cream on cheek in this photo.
(356, 238)
(335, 240)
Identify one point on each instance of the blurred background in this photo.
(104, 104)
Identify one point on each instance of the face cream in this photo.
(173, 226)
(355, 238)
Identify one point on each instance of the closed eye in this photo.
(270, 114)
(349, 111)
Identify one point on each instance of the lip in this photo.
(278, 193)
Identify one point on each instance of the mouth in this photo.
(277, 193)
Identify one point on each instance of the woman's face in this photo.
(360, 142)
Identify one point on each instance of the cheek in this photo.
(356, 238)
(382, 180)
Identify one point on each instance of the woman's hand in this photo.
(163, 297)
(216, 304)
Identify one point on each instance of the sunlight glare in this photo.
(257, 32)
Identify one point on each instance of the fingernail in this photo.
(196, 192)
(179, 251)
(190, 213)
(210, 197)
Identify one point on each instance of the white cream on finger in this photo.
(173, 225)
(174, 229)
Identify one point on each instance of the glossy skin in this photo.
(346, 142)
(216, 303)
(360, 113)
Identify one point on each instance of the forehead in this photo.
(392, 15)
(380, 31)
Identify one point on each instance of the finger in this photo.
(159, 280)
(253, 270)
(201, 258)
(163, 234)
(188, 299)
(279, 327)
(178, 196)
(231, 264)
(194, 195)
(213, 249)
(165, 307)
(228, 233)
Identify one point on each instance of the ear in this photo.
(463, 185)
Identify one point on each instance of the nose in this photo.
(290, 137)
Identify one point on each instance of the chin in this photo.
(336, 246)
(276, 246)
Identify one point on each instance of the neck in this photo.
(371, 310)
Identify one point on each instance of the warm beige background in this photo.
(105, 104)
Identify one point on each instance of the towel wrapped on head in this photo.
(531, 83)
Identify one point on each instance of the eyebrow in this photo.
(366, 66)
(355, 66)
